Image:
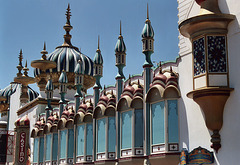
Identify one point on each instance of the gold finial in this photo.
(68, 28)
(25, 69)
(20, 67)
(44, 52)
(147, 14)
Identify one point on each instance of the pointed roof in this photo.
(98, 56)
(120, 46)
(63, 77)
(147, 31)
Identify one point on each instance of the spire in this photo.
(68, 28)
(147, 12)
(44, 52)
(20, 67)
(98, 42)
(25, 69)
(160, 67)
(120, 34)
(129, 82)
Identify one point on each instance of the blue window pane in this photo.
(172, 121)
(48, 146)
(80, 140)
(35, 150)
(41, 149)
(101, 132)
(126, 130)
(158, 135)
(63, 139)
(70, 143)
(89, 139)
(138, 128)
(111, 134)
(55, 146)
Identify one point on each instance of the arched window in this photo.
(63, 146)
(48, 149)
(35, 150)
(41, 149)
(164, 133)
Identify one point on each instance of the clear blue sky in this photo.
(26, 24)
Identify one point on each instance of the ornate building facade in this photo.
(181, 112)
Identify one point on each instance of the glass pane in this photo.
(63, 139)
(89, 139)
(138, 128)
(111, 134)
(80, 140)
(48, 146)
(172, 121)
(55, 146)
(70, 143)
(126, 130)
(158, 135)
(35, 150)
(41, 149)
(101, 132)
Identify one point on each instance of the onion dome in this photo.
(72, 113)
(63, 77)
(160, 78)
(50, 119)
(120, 46)
(23, 121)
(90, 107)
(66, 57)
(11, 89)
(147, 31)
(49, 86)
(103, 99)
(129, 90)
(79, 68)
(172, 80)
(55, 116)
(98, 56)
(65, 114)
(83, 106)
(112, 99)
(139, 90)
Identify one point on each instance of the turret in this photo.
(62, 89)
(49, 93)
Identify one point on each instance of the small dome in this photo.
(79, 68)
(120, 46)
(49, 86)
(160, 77)
(23, 121)
(147, 31)
(98, 58)
(63, 77)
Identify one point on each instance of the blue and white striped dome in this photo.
(67, 58)
(120, 46)
(11, 89)
(147, 31)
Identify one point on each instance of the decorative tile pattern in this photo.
(173, 147)
(199, 56)
(217, 56)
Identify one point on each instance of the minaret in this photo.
(79, 77)
(49, 93)
(120, 52)
(62, 90)
(148, 49)
(98, 71)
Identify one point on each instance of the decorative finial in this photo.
(68, 28)
(104, 90)
(139, 85)
(171, 71)
(160, 67)
(129, 82)
(44, 52)
(25, 69)
(20, 67)
(68, 14)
